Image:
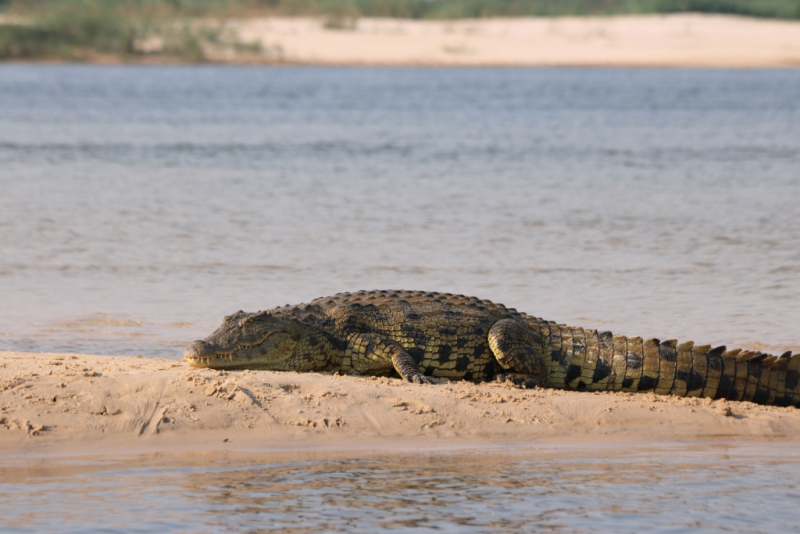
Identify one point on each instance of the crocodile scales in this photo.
(423, 335)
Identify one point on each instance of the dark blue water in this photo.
(141, 204)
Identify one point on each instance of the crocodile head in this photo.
(245, 340)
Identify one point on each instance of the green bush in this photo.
(17, 41)
(89, 26)
(80, 29)
(69, 30)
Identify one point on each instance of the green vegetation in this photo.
(65, 30)
(416, 9)
(88, 29)
(776, 9)
(97, 29)
(789, 9)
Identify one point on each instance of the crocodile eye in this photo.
(250, 321)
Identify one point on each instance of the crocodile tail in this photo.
(589, 360)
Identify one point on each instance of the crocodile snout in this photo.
(200, 349)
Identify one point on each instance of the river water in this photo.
(656, 490)
(141, 204)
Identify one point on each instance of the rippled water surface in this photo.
(674, 489)
(139, 205)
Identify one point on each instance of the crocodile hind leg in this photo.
(519, 350)
(373, 354)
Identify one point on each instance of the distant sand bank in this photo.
(684, 40)
(670, 40)
(71, 403)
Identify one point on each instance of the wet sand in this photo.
(680, 40)
(73, 403)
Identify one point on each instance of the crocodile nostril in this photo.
(199, 348)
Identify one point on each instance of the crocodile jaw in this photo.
(268, 354)
(203, 354)
(225, 361)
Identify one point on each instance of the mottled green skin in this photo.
(419, 335)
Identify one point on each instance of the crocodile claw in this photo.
(423, 379)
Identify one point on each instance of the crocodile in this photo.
(424, 337)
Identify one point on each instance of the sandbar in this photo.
(674, 40)
(83, 404)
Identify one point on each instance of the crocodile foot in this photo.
(419, 378)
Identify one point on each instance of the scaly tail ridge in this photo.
(600, 361)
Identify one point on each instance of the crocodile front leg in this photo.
(518, 349)
(374, 354)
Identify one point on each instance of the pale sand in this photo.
(691, 40)
(73, 403)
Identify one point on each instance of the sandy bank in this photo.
(692, 40)
(67, 403)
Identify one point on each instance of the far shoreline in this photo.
(632, 41)
(286, 65)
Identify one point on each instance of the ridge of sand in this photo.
(676, 40)
(74, 403)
